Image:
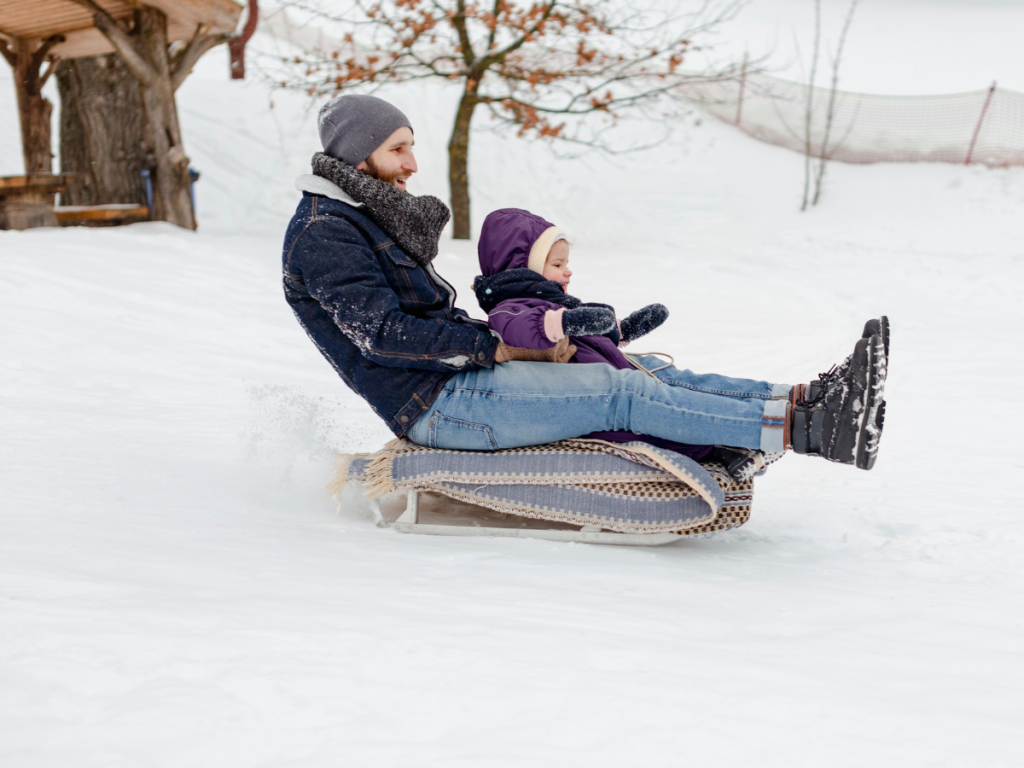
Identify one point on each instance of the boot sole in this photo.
(878, 327)
(874, 405)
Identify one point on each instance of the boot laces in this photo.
(828, 375)
(832, 381)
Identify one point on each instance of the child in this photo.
(524, 289)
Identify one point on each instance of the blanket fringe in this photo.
(340, 479)
(378, 480)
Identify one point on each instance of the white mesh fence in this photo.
(978, 127)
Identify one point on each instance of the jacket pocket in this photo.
(398, 257)
(459, 435)
(409, 281)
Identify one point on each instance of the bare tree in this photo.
(809, 114)
(826, 148)
(538, 67)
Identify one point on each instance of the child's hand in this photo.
(643, 321)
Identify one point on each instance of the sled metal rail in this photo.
(408, 522)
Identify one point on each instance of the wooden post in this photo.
(236, 45)
(171, 200)
(981, 119)
(743, 87)
(27, 58)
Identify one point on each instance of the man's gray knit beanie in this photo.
(352, 127)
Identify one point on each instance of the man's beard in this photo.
(388, 177)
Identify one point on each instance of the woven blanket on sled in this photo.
(629, 488)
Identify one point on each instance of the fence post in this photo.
(981, 119)
(743, 86)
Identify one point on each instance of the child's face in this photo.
(557, 265)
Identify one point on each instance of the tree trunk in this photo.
(458, 166)
(102, 132)
(33, 109)
(144, 52)
(171, 194)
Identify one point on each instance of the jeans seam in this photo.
(722, 392)
(736, 419)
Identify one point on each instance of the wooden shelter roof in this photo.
(39, 19)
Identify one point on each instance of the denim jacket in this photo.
(388, 326)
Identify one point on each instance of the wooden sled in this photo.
(477, 521)
(576, 490)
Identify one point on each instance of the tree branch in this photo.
(183, 62)
(8, 54)
(517, 44)
(40, 53)
(51, 65)
(459, 22)
(494, 30)
(141, 69)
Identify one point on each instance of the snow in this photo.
(177, 590)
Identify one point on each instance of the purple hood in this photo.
(507, 236)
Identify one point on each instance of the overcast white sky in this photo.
(894, 46)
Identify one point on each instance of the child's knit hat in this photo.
(512, 238)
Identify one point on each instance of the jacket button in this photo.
(481, 356)
(404, 419)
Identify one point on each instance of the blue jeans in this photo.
(517, 403)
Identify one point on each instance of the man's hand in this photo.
(560, 353)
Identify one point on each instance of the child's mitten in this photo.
(587, 321)
(643, 321)
(613, 332)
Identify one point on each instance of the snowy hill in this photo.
(178, 591)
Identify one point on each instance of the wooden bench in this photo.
(27, 201)
(111, 215)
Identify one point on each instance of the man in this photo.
(358, 275)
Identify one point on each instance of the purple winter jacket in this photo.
(506, 239)
(507, 236)
(520, 322)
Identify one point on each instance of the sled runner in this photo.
(574, 490)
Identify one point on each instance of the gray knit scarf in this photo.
(414, 223)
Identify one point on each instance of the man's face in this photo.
(393, 161)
